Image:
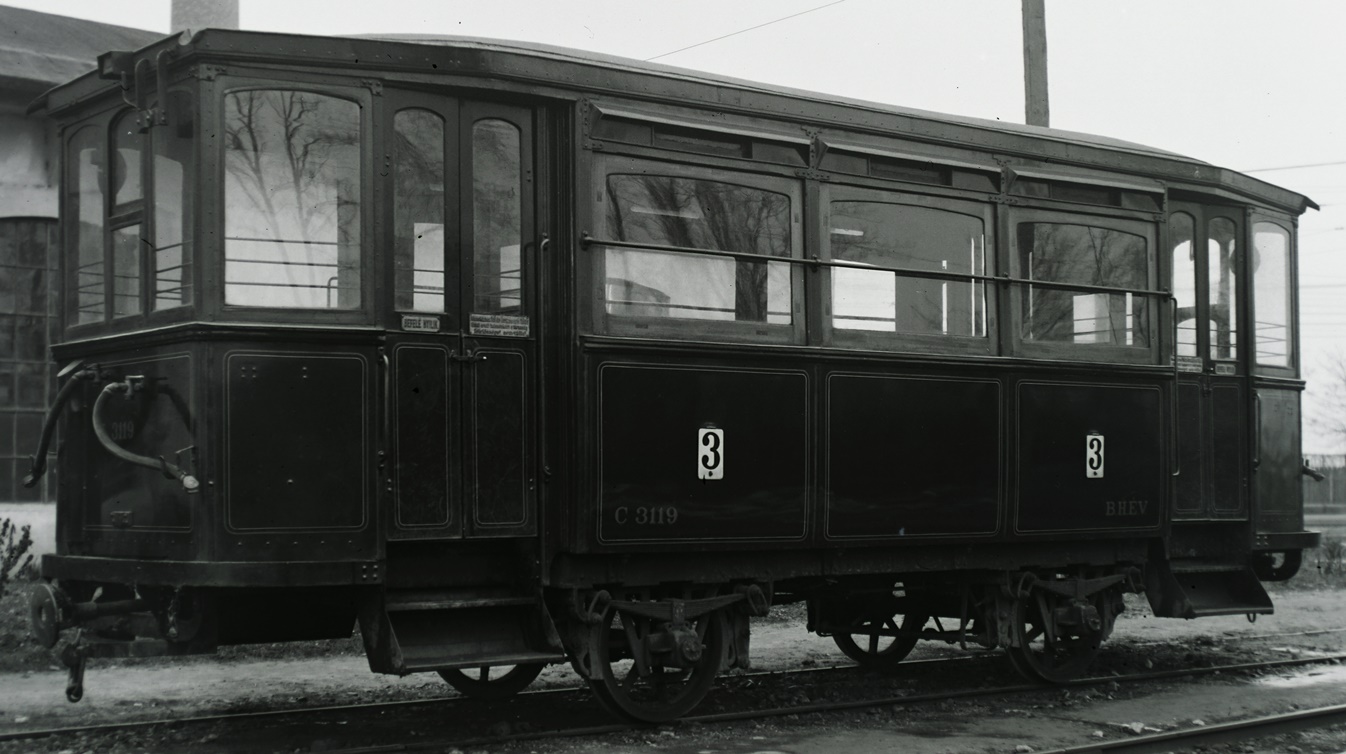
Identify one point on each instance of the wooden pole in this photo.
(1036, 112)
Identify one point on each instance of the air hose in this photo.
(170, 470)
(38, 463)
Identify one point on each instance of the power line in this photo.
(743, 31)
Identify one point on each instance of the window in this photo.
(1084, 255)
(418, 211)
(1271, 294)
(84, 244)
(913, 238)
(292, 200)
(174, 187)
(497, 218)
(126, 159)
(1180, 234)
(1223, 292)
(701, 214)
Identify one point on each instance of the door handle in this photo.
(467, 357)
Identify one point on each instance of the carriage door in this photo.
(1212, 404)
(462, 344)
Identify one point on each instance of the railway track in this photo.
(1243, 731)
(550, 697)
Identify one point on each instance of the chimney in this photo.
(194, 15)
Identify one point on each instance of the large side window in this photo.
(1222, 266)
(497, 217)
(292, 200)
(923, 239)
(84, 241)
(1076, 260)
(1271, 295)
(707, 215)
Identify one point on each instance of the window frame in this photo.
(593, 259)
(1250, 302)
(212, 219)
(986, 345)
(1018, 345)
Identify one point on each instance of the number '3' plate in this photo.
(710, 454)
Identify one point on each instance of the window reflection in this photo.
(1271, 294)
(1084, 255)
(1180, 231)
(1223, 295)
(292, 200)
(698, 214)
(497, 217)
(126, 271)
(418, 213)
(126, 159)
(919, 238)
(174, 187)
(85, 197)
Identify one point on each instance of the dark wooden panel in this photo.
(1228, 485)
(911, 457)
(1278, 474)
(651, 419)
(1191, 430)
(499, 452)
(1054, 492)
(295, 443)
(424, 442)
(154, 421)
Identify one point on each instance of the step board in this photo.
(439, 630)
(1198, 591)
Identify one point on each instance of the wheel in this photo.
(1039, 656)
(876, 651)
(493, 683)
(662, 690)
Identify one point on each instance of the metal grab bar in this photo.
(1175, 429)
(170, 470)
(586, 240)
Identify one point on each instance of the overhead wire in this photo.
(744, 31)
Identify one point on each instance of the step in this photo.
(1205, 590)
(441, 600)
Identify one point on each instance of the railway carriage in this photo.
(516, 355)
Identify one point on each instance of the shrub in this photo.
(13, 562)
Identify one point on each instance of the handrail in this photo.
(1175, 429)
(587, 240)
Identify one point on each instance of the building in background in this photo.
(37, 51)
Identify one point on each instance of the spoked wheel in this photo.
(1055, 656)
(873, 650)
(492, 683)
(644, 683)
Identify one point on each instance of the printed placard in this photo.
(1093, 456)
(411, 323)
(710, 454)
(498, 325)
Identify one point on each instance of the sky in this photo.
(1252, 85)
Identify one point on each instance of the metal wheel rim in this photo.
(1064, 662)
(626, 696)
(492, 682)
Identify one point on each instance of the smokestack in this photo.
(195, 15)
(1036, 112)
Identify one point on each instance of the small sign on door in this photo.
(710, 454)
(1093, 456)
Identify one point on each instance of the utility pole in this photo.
(1036, 112)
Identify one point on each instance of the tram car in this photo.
(514, 355)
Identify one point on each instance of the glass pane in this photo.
(699, 214)
(84, 245)
(1084, 255)
(126, 271)
(1180, 231)
(126, 140)
(418, 214)
(174, 169)
(1222, 268)
(292, 200)
(497, 218)
(920, 238)
(1271, 292)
